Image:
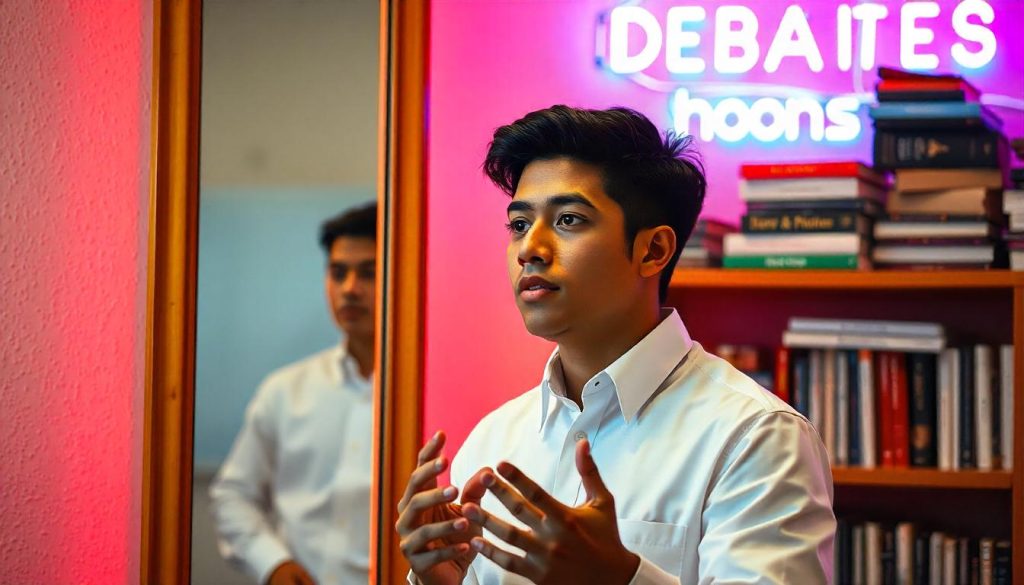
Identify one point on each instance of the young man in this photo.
(291, 501)
(640, 458)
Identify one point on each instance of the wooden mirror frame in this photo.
(172, 263)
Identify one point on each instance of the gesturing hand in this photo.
(290, 573)
(564, 545)
(434, 535)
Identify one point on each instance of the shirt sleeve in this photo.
(768, 516)
(650, 574)
(240, 495)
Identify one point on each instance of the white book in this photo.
(935, 558)
(808, 189)
(738, 244)
(829, 408)
(857, 577)
(1013, 201)
(1016, 259)
(954, 377)
(1006, 405)
(842, 409)
(911, 254)
(867, 327)
(1017, 221)
(905, 553)
(983, 406)
(986, 552)
(873, 552)
(946, 406)
(817, 393)
(949, 551)
(850, 341)
(866, 379)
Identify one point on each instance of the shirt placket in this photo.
(586, 424)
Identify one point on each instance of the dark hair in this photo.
(655, 181)
(358, 222)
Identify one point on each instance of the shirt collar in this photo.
(344, 369)
(636, 374)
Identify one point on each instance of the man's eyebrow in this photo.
(554, 201)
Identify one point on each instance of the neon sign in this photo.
(668, 50)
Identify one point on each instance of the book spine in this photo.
(817, 390)
(921, 559)
(868, 419)
(905, 553)
(782, 373)
(922, 411)
(968, 455)
(983, 406)
(838, 261)
(986, 554)
(924, 149)
(949, 558)
(873, 553)
(842, 412)
(859, 560)
(828, 427)
(939, 95)
(801, 170)
(1006, 405)
(786, 222)
(889, 554)
(885, 411)
(801, 383)
(954, 382)
(900, 412)
(1002, 569)
(935, 558)
(945, 414)
(854, 420)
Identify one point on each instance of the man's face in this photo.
(567, 252)
(350, 284)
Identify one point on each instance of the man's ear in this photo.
(656, 246)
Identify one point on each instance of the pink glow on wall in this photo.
(74, 167)
(492, 61)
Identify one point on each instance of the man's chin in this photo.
(545, 327)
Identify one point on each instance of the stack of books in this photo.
(806, 215)
(1013, 207)
(903, 552)
(949, 158)
(704, 248)
(890, 394)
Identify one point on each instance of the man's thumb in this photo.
(592, 482)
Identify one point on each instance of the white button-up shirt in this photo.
(296, 484)
(715, 479)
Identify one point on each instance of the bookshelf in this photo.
(753, 307)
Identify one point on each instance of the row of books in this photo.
(1013, 207)
(703, 249)
(876, 553)
(890, 394)
(949, 157)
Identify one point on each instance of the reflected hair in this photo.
(357, 222)
(656, 180)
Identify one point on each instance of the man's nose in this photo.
(535, 247)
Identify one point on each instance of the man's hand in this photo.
(564, 545)
(290, 573)
(434, 534)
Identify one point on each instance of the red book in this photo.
(885, 413)
(900, 396)
(782, 373)
(971, 93)
(811, 170)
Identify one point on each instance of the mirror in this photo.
(284, 315)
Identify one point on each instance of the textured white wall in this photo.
(74, 165)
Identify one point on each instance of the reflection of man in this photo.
(291, 501)
(705, 477)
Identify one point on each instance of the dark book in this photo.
(888, 557)
(844, 550)
(804, 221)
(963, 561)
(801, 388)
(853, 422)
(974, 560)
(922, 559)
(1002, 573)
(868, 207)
(968, 454)
(1017, 177)
(936, 149)
(924, 95)
(933, 115)
(923, 444)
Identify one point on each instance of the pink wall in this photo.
(494, 60)
(74, 167)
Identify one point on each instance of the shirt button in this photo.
(580, 435)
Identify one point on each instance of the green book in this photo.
(791, 261)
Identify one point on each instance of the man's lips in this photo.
(350, 312)
(535, 288)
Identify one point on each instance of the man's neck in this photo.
(584, 355)
(361, 350)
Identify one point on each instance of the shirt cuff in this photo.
(265, 554)
(650, 574)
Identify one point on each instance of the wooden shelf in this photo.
(689, 278)
(922, 478)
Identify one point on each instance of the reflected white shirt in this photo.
(715, 479)
(296, 484)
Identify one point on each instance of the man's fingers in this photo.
(518, 538)
(421, 501)
(512, 499)
(431, 448)
(504, 559)
(417, 540)
(592, 482)
(474, 490)
(423, 478)
(533, 493)
(423, 561)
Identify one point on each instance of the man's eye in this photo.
(368, 273)
(517, 226)
(338, 274)
(569, 219)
